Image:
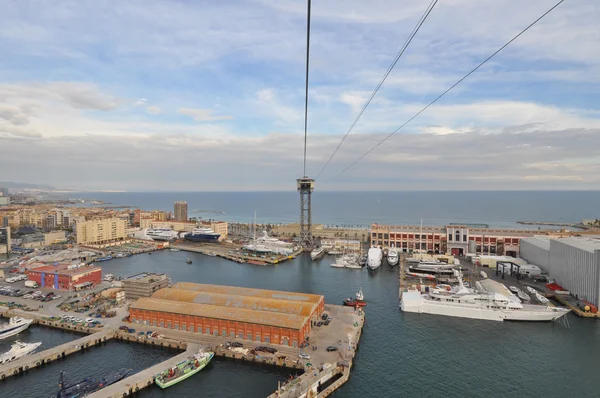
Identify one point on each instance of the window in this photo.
(423, 236)
(249, 336)
(380, 236)
(257, 337)
(464, 237)
(231, 334)
(207, 330)
(457, 236)
(385, 236)
(449, 237)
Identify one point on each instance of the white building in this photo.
(573, 262)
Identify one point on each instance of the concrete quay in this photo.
(143, 379)
(54, 354)
(232, 251)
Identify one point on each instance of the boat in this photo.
(357, 301)
(463, 302)
(202, 234)
(433, 264)
(109, 257)
(353, 265)
(15, 325)
(108, 277)
(335, 252)
(161, 234)
(338, 264)
(392, 257)
(317, 253)
(531, 290)
(363, 260)
(89, 384)
(267, 244)
(374, 258)
(483, 274)
(18, 350)
(541, 298)
(174, 250)
(183, 370)
(212, 254)
(188, 261)
(513, 289)
(523, 296)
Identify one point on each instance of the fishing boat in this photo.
(18, 350)
(357, 301)
(89, 385)
(15, 326)
(183, 370)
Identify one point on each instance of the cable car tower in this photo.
(306, 185)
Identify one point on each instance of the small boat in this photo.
(513, 289)
(541, 298)
(338, 265)
(335, 252)
(89, 385)
(531, 290)
(109, 257)
(183, 370)
(174, 250)
(149, 253)
(18, 350)
(15, 326)
(483, 274)
(523, 296)
(317, 253)
(188, 261)
(108, 277)
(392, 257)
(357, 301)
(353, 266)
(212, 254)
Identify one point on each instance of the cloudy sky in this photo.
(208, 95)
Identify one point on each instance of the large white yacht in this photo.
(317, 253)
(267, 244)
(15, 326)
(467, 303)
(161, 234)
(374, 258)
(18, 350)
(392, 257)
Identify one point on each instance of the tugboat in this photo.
(183, 370)
(358, 301)
(89, 385)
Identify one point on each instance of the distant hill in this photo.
(22, 185)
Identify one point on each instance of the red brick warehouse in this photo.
(61, 278)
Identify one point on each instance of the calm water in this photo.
(498, 209)
(399, 354)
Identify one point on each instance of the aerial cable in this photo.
(385, 75)
(306, 87)
(450, 88)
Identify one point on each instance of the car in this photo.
(319, 323)
(332, 348)
(329, 318)
(303, 356)
(64, 316)
(326, 322)
(324, 316)
(125, 328)
(236, 344)
(88, 320)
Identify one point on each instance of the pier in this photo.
(54, 354)
(143, 379)
(233, 252)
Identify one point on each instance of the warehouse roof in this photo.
(236, 301)
(219, 312)
(543, 242)
(50, 269)
(587, 244)
(244, 291)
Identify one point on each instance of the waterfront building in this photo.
(574, 262)
(160, 215)
(180, 211)
(177, 226)
(144, 285)
(345, 245)
(63, 278)
(5, 240)
(323, 232)
(454, 239)
(101, 231)
(219, 227)
(252, 314)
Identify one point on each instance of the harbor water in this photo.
(399, 354)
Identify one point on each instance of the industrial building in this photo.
(101, 231)
(574, 263)
(144, 285)
(252, 314)
(180, 211)
(63, 278)
(455, 239)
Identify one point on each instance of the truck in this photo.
(32, 284)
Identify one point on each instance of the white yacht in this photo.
(433, 265)
(267, 244)
(15, 326)
(108, 278)
(374, 258)
(161, 234)
(467, 303)
(18, 350)
(392, 257)
(317, 253)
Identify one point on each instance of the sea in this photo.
(399, 355)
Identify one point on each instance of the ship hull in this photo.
(11, 331)
(316, 256)
(168, 383)
(201, 238)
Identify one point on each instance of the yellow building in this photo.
(178, 226)
(160, 215)
(219, 227)
(101, 231)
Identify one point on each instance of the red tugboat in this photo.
(358, 301)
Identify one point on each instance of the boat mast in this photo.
(254, 227)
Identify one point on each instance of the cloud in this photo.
(140, 102)
(203, 115)
(153, 110)
(83, 95)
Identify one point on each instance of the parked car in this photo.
(319, 323)
(236, 344)
(303, 356)
(324, 316)
(125, 328)
(326, 322)
(332, 348)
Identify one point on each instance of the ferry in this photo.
(183, 370)
(89, 385)
(18, 350)
(15, 326)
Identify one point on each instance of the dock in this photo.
(232, 252)
(143, 379)
(54, 354)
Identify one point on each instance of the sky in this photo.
(208, 95)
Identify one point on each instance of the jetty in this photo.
(233, 252)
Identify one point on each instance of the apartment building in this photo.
(101, 231)
(180, 211)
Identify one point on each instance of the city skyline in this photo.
(210, 97)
